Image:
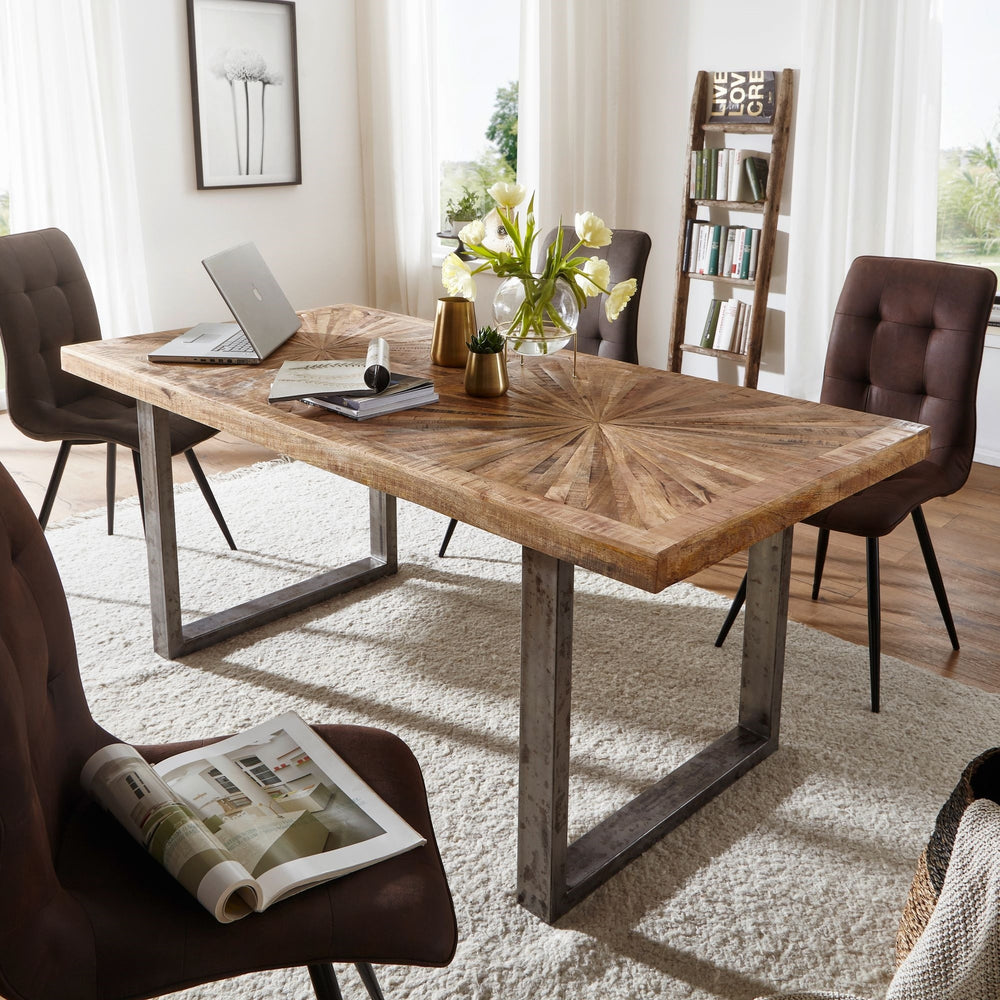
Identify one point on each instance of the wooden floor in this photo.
(965, 529)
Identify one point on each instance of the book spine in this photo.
(722, 186)
(745, 258)
(727, 262)
(711, 321)
(703, 242)
(686, 255)
(693, 175)
(754, 249)
(713, 170)
(753, 177)
(713, 251)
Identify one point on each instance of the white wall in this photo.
(311, 234)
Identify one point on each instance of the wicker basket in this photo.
(980, 780)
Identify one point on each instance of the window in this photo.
(477, 104)
(259, 771)
(968, 218)
(222, 780)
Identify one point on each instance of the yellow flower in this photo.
(507, 195)
(591, 230)
(472, 234)
(595, 278)
(456, 276)
(618, 298)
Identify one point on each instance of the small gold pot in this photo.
(454, 326)
(486, 374)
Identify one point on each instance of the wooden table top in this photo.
(642, 475)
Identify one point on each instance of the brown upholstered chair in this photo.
(907, 342)
(46, 303)
(595, 334)
(87, 914)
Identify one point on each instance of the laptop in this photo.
(264, 317)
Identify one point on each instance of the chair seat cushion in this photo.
(874, 512)
(152, 937)
(106, 416)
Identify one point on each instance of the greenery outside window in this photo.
(968, 215)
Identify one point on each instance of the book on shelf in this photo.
(755, 168)
(739, 96)
(711, 322)
(727, 261)
(357, 376)
(726, 328)
(403, 393)
(754, 251)
(252, 819)
(713, 251)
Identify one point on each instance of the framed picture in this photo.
(244, 92)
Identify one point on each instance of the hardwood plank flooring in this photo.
(965, 529)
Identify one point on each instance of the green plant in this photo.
(487, 341)
(465, 208)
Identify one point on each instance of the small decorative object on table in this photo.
(536, 310)
(454, 324)
(486, 367)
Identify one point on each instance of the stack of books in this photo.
(358, 389)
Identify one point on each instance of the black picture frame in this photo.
(244, 92)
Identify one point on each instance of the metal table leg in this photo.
(554, 876)
(171, 637)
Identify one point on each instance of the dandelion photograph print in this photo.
(244, 92)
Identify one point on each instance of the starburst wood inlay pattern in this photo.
(642, 475)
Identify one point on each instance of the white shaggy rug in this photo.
(793, 878)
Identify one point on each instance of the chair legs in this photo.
(822, 541)
(734, 610)
(109, 485)
(874, 621)
(209, 496)
(325, 984)
(54, 480)
(206, 491)
(934, 572)
(874, 598)
(447, 537)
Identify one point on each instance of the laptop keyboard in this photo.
(236, 344)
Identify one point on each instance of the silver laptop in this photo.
(264, 317)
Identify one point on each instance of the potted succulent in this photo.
(486, 366)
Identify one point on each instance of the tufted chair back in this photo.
(46, 735)
(907, 342)
(45, 302)
(626, 255)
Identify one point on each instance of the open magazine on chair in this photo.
(251, 819)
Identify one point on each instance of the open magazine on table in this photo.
(251, 819)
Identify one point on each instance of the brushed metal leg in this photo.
(171, 637)
(553, 876)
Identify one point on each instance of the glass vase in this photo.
(537, 315)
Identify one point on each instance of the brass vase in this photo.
(454, 326)
(486, 374)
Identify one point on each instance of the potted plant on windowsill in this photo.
(462, 211)
(486, 366)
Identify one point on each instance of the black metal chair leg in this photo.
(209, 496)
(367, 974)
(137, 468)
(54, 480)
(109, 485)
(874, 620)
(447, 537)
(324, 981)
(821, 543)
(934, 572)
(734, 610)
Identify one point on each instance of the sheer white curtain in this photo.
(397, 51)
(865, 165)
(70, 151)
(572, 119)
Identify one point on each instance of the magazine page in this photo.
(128, 787)
(350, 376)
(286, 806)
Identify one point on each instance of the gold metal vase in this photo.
(486, 374)
(454, 326)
